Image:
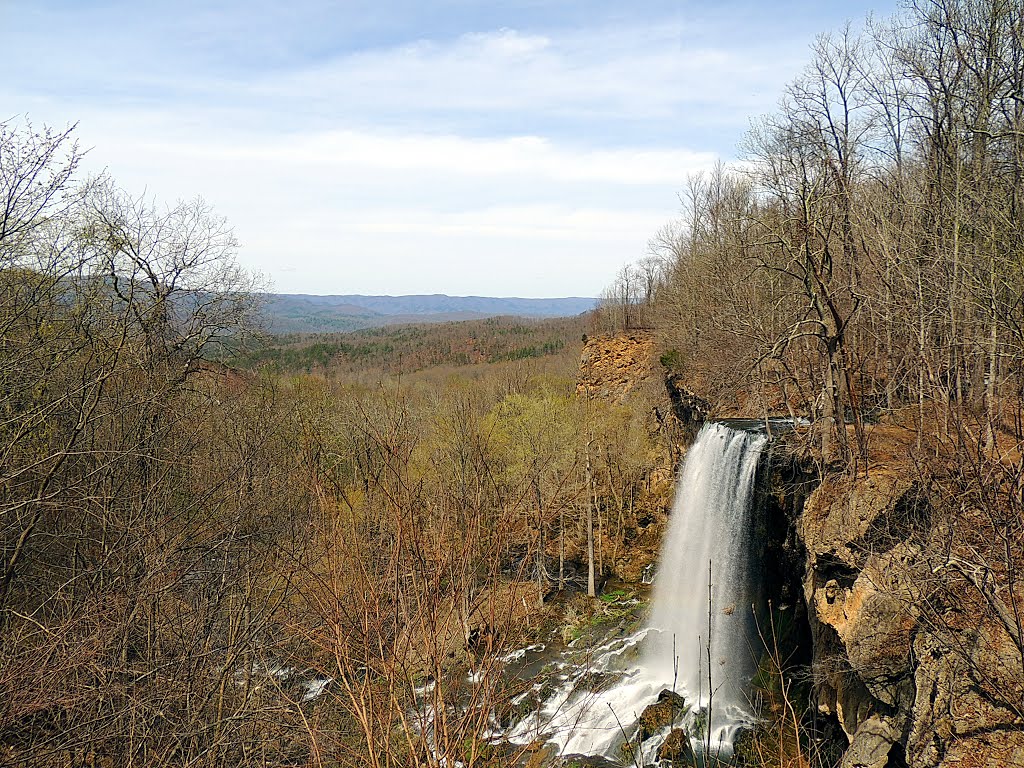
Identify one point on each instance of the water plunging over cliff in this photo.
(710, 526)
(709, 539)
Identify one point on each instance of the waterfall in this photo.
(710, 528)
(709, 539)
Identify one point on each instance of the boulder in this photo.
(872, 744)
(540, 754)
(587, 761)
(667, 710)
(676, 749)
(745, 751)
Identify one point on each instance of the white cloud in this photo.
(520, 156)
(357, 212)
(533, 223)
(500, 162)
(622, 74)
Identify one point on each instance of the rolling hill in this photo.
(305, 313)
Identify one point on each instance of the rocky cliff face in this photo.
(860, 619)
(614, 365)
(910, 678)
(622, 370)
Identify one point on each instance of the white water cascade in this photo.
(710, 637)
(710, 528)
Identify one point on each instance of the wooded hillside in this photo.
(409, 348)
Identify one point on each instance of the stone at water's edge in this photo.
(586, 761)
(872, 744)
(676, 749)
(541, 755)
(745, 749)
(669, 708)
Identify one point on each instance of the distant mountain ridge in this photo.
(308, 313)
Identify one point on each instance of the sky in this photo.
(519, 148)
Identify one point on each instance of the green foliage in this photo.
(316, 355)
(409, 348)
(672, 360)
(521, 353)
(699, 723)
(537, 432)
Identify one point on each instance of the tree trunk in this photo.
(591, 587)
(561, 548)
(540, 543)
